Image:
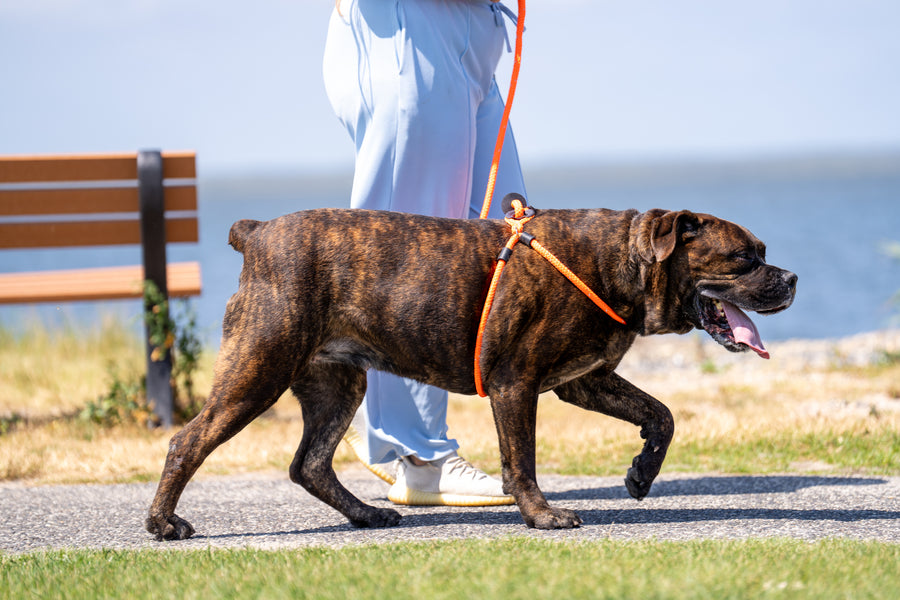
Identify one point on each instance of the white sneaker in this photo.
(449, 481)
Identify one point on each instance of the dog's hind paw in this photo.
(171, 528)
(379, 517)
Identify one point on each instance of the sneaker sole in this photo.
(410, 497)
(355, 441)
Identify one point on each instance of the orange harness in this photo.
(517, 218)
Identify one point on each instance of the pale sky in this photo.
(241, 82)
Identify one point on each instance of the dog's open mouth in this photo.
(730, 326)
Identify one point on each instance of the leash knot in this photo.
(518, 215)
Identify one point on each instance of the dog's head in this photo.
(706, 272)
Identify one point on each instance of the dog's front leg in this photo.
(612, 395)
(515, 414)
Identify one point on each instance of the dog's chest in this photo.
(606, 358)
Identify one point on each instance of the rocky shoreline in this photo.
(695, 351)
(806, 378)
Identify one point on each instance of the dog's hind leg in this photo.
(329, 394)
(248, 380)
(612, 395)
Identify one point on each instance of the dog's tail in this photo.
(237, 237)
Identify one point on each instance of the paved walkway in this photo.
(268, 511)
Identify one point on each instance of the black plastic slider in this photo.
(506, 203)
(526, 238)
(505, 254)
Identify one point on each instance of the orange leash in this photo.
(489, 194)
(520, 215)
(513, 81)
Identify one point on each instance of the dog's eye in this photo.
(744, 255)
(744, 259)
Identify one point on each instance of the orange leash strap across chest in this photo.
(517, 220)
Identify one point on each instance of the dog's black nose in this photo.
(790, 279)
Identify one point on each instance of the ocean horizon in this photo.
(827, 218)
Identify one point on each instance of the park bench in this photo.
(60, 201)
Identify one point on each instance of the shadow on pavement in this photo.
(719, 485)
(644, 513)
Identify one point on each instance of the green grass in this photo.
(508, 568)
(873, 450)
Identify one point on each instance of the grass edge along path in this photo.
(73, 453)
(508, 568)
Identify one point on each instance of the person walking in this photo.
(412, 81)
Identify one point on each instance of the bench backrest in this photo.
(90, 200)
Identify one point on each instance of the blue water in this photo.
(826, 226)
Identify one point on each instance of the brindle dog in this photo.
(326, 294)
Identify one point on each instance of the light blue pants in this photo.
(413, 83)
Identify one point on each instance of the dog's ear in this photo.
(659, 231)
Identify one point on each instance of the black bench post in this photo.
(153, 244)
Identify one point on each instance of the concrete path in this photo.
(268, 511)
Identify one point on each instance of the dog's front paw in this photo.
(636, 483)
(171, 528)
(378, 517)
(555, 518)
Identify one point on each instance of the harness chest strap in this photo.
(516, 220)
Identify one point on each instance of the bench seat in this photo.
(94, 284)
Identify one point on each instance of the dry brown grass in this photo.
(830, 389)
(44, 373)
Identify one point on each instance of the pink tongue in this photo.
(744, 330)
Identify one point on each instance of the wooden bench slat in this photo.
(89, 200)
(94, 284)
(89, 167)
(89, 233)
(179, 165)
